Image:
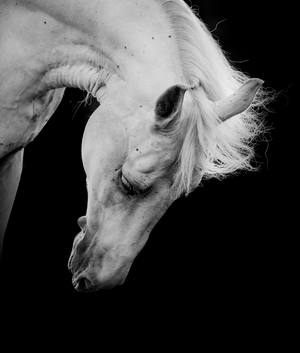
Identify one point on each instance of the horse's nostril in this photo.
(84, 285)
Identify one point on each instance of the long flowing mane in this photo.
(210, 149)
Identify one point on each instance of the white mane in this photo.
(210, 148)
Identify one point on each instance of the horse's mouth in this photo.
(84, 285)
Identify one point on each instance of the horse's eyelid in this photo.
(130, 188)
(126, 183)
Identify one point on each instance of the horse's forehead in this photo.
(131, 128)
(128, 134)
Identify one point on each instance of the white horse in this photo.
(166, 94)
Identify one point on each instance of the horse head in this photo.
(130, 158)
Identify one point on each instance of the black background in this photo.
(225, 252)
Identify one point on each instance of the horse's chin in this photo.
(104, 278)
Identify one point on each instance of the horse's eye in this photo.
(126, 183)
(129, 188)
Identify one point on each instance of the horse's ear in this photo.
(239, 101)
(168, 106)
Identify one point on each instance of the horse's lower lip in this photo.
(82, 284)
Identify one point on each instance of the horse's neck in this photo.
(136, 35)
(107, 47)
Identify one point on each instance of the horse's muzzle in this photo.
(82, 284)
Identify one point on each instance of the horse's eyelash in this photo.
(131, 189)
(126, 183)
